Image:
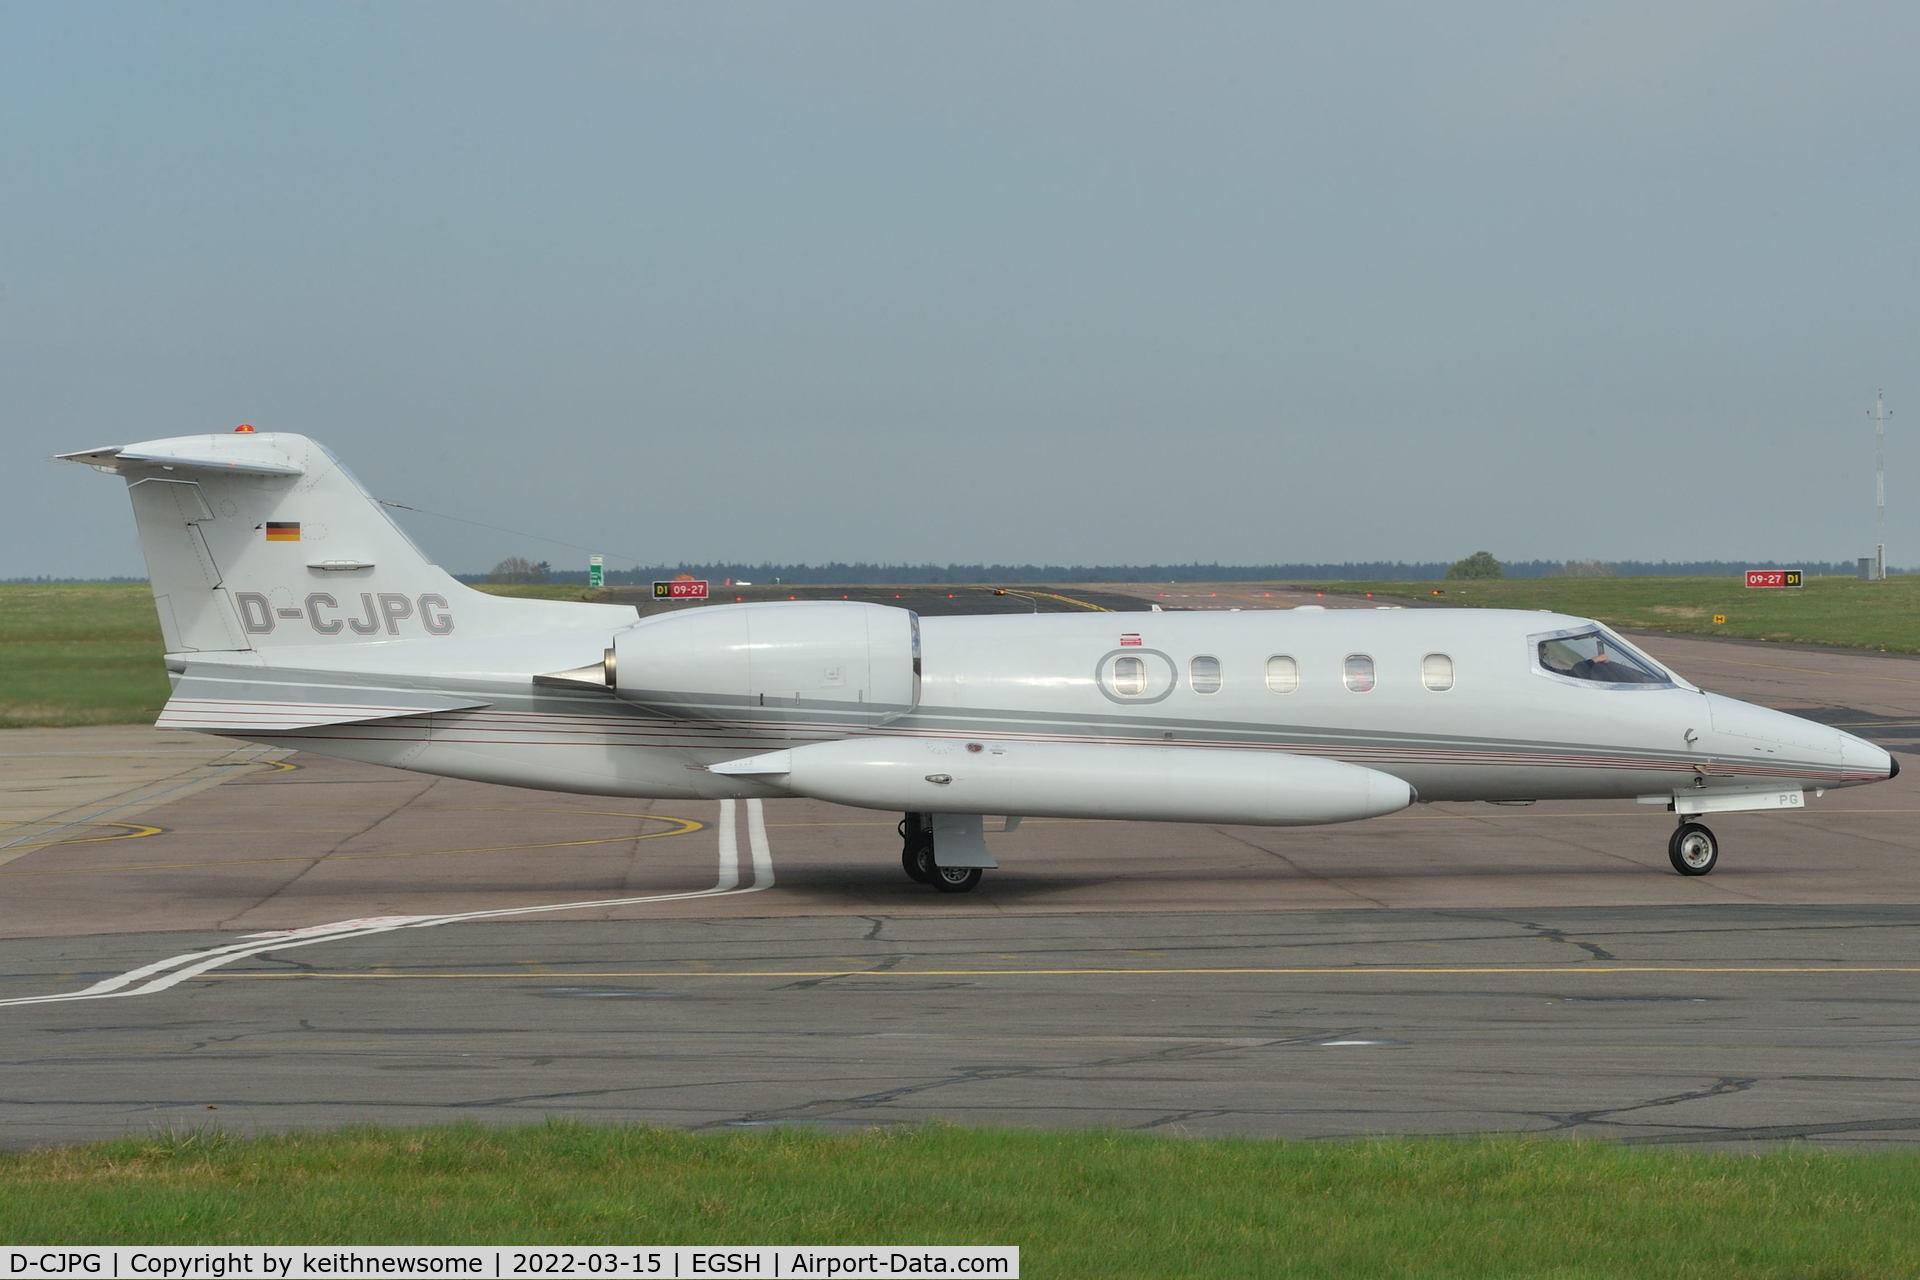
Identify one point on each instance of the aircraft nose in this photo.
(1777, 728)
(1766, 733)
(1862, 759)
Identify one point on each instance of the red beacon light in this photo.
(243, 429)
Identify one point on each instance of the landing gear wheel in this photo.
(956, 879)
(916, 848)
(917, 862)
(1693, 850)
(922, 867)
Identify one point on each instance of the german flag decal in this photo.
(283, 531)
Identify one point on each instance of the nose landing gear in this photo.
(1693, 849)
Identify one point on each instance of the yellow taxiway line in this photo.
(1348, 971)
(681, 827)
(132, 831)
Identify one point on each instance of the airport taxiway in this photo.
(329, 942)
(1673, 1024)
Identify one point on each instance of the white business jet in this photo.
(297, 613)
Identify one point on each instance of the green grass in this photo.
(1078, 1203)
(544, 591)
(1835, 611)
(85, 653)
(79, 653)
(90, 653)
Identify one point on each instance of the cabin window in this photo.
(1358, 673)
(1436, 672)
(1129, 676)
(1203, 674)
(1283, 674)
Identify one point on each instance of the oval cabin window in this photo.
(1204, 675)
(1129, 676)
(1283, 674)
(1436, 672)
(1359, 673)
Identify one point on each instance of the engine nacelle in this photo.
(846, 660)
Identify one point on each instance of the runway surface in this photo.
(440, 950)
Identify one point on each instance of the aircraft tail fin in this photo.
(257, 540)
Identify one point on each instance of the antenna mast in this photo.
(1879, 416)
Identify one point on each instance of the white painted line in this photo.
(163, 974)
(729, 848)
(338, 926)
(757, 841)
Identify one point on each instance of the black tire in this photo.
(916, 848)
(956, 879)
(1693, 850)
(917, 862)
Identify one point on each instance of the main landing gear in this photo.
(918, 861)
(1693, 849)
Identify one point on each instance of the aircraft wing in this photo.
(222, 699)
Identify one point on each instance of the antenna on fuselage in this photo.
(1879, 416)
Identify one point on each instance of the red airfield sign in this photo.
(681, 589)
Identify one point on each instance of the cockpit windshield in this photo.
(1597, 656)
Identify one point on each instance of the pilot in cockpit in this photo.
(1597, 667)
(1587, 657)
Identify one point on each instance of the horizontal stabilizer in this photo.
(188, 453)
(240, 700)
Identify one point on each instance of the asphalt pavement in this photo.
(194, 933)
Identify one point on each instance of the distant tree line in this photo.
(46, 580)
(520, 569)
(865, 572)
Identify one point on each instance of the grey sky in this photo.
(1088, 282)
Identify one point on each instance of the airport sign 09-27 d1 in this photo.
(1774, 577)
(681, 589)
